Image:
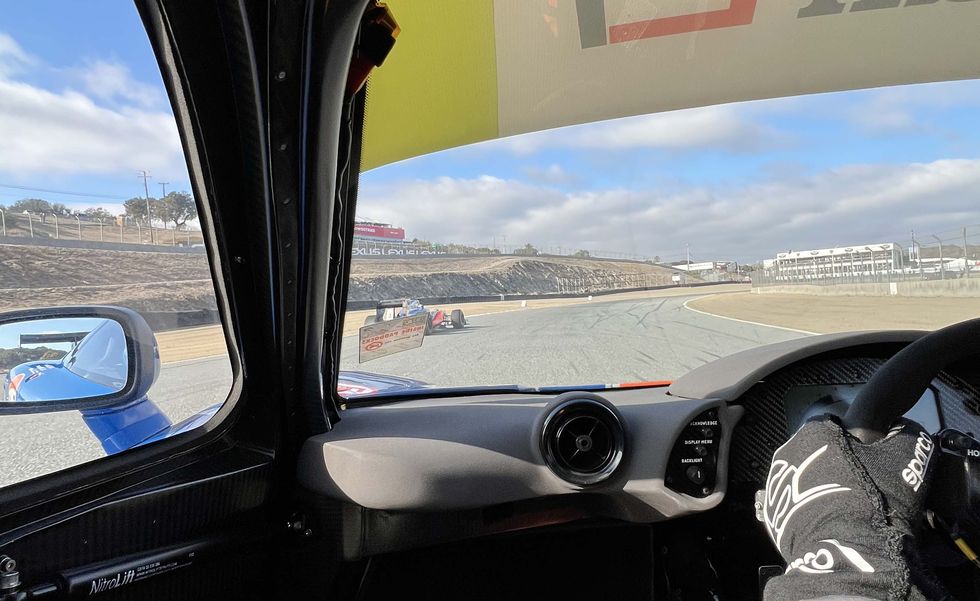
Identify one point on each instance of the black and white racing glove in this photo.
(844, 514)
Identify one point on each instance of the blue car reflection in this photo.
(96, 366)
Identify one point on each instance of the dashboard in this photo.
(428, 470)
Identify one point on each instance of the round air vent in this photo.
(582, 440)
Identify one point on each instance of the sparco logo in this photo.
(823, 562)
(107, 584)
(916, 470)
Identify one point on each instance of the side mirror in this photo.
(74, 358)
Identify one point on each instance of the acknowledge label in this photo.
(390, 337)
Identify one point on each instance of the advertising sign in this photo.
(389, 337)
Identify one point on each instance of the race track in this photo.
(596, 343)
(606, 342)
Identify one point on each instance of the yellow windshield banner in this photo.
(473, 70)
(438, 87)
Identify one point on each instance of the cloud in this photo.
(889, 110)
(725, 127)
(848, 205)
(552, 174)
(70, 132)
(112, 81)
(13, 58)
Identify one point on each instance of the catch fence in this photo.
(78, 227)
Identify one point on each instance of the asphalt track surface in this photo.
(596, 343)
(607, 342)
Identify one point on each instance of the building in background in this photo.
(838, 263)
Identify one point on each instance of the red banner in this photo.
(377, 231)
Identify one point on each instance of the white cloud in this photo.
(884, 111)
(112, 81)
(725, 127)
(13, 58)
(552, 174)
(49, 132)
(849, 205)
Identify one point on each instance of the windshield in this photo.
(565, 227)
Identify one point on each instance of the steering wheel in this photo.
(902, 380)
(953, 504)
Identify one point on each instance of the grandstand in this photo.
(842, 262)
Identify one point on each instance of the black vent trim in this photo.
(583, 440)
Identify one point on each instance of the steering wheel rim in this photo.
(902, 380)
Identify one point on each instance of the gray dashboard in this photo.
(458, 454)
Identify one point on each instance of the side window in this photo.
(96, 209)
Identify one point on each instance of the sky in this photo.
(10, 333)
(83, 108)
(731, 182)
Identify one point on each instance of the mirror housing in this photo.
(142, 359)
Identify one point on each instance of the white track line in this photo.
(754, 323)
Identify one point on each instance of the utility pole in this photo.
(912, 252)
(163, 187)
(146, 175)
(688, 246)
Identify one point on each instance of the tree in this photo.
(177, 208)
(60, 209)
(527, 250)
(98, 213)
(656, 259)
(31, 205)
(582, 254)
(136, 209)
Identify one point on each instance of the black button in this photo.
(701, 450)
(695, 474)
(706, 432)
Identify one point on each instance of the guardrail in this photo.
(358, 305)
(176, 320)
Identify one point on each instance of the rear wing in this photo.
(388, 304)
(72, 337)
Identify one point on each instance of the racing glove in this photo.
(844, 514)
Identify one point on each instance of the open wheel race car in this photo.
(387, 310)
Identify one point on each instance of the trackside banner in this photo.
(389, 337)
(466, 71)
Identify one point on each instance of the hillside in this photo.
(488, 275)
(152, 281)
(32, 276)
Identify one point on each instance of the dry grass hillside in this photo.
(31, 276)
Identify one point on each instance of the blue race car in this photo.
(96, 366)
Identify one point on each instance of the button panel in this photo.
(692, 468)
